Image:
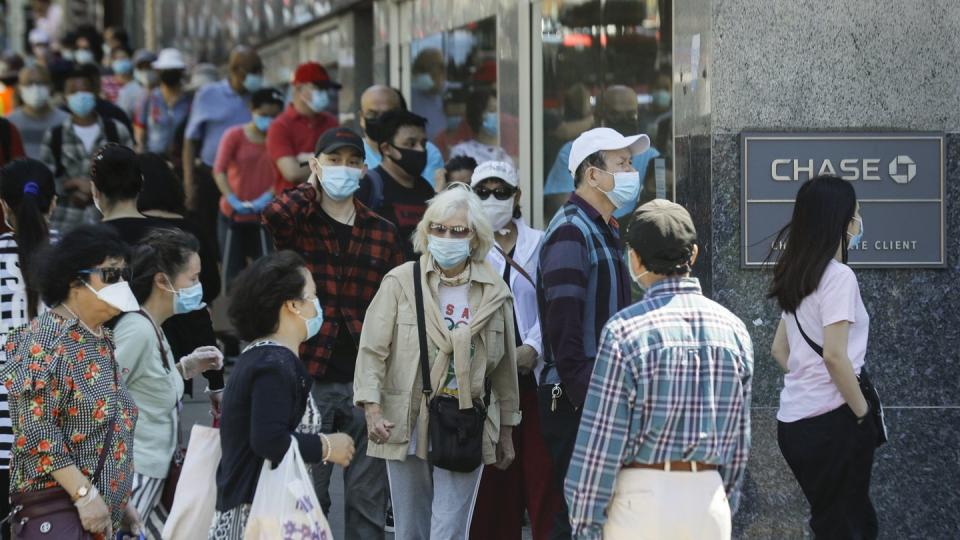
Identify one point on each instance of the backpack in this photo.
(56, 144)
(376, 190)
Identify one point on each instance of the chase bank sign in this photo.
(898, 177)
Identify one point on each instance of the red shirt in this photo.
(292, 133)
(248, 167)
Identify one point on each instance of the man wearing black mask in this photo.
(395, 189)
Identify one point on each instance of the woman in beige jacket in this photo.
(470, 334)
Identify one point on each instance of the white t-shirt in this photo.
(87, 134)
(808, 390)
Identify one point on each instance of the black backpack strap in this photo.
(376, 190)
(110, 130)
(5, 139)
(422, 329)
(56, 148)
(813, 345)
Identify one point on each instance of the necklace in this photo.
(83, 324)
(456, 280)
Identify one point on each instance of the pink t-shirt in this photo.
(808, 390)
(248, 167)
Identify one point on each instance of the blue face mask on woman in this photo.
(449, 252)
(313, 323)
(188, 299)
(262, 122)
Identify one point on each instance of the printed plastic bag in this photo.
(196, 500)
(285, 505)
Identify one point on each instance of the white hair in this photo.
(442, 207)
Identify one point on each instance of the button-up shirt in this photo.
(671, 383)
(160, 120)
(346, 282)
(215, 108)
(582, 283)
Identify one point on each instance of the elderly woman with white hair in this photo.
(437, 373)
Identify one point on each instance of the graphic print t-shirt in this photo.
(455, 312)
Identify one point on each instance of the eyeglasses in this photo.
(110, 274)
(502, 193)
(457, 231)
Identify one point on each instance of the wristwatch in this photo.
(82, 492)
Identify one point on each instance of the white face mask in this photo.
(35, 95)
(636, 277)
(117, 295)
(498, 212)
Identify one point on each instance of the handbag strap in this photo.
(107, 444)
(421, 328)
(516, 266)
(156, 331)
(813, 344)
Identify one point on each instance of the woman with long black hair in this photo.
(27, 195)
(824, 429)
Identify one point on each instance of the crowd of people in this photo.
(397, 315)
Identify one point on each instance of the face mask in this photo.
(67, 55)
(339, 182)
(626, 187)
(252, 82)
(319, 100)
(370, 127)
(123, 66)
(453, 122)
(84, 56)
(490, 121)
(35, 95)
(636, 277)
(449, 252)
(411, 161)
(498, 212)
(661, 99)
(117, 295)
(313, 323)
(187, 299)
(171, 77)
(855, 239)
(262, 122)
(625, 127)
(422, 82)
(81, 103)
(146, 77)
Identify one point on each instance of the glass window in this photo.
(606, 63)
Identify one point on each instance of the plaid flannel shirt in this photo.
(671, 383)
(346, 282)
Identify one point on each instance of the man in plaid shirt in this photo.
(663, 444)
(349, 249)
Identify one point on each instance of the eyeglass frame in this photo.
(448, 232)
(124, 273)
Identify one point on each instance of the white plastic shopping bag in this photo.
(196, 497)
(285, 504)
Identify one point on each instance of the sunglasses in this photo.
(110, 274)
(457, 231)
(502, 193)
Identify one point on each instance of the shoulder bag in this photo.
(866, 387)
(455, 434)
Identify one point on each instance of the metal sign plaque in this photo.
(898, 177)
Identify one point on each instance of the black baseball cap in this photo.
(266, 96)
(336, 138)
(663, 235)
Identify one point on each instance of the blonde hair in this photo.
(442, 207)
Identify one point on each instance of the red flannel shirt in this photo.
(346, 283)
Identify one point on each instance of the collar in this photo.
(591, 212)
(673, 286)
(528, 240)
(480, 271)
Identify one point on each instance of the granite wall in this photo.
(845, 66)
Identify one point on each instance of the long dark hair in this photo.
(27, 186)
(823, 210)
(162, 186)
(165, 251)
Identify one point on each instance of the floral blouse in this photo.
(64, 387)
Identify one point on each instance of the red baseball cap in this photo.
(312, 72)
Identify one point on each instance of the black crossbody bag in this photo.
(455, 434)
(866, 387)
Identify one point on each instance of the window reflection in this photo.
(606, 63)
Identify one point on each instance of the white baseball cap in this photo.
(494, 169)
(169, 59)
(603, 138)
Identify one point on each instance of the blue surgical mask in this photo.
(252, 82)
(422, 82)
(339, 182)
(626, 187)
(319, 100)
(855, 239)
(661, 98)
(81, 103)
(449, 252)
(262, 122)
(84, 56)
(188, 299)
(490, 122)
(453, 122)
(122, 66)
(313, 323)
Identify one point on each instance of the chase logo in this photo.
(895, 169)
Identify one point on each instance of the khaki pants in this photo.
(657, 505)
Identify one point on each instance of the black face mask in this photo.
(624, 126)
(411, 161)
(371, 127)
(171, 77)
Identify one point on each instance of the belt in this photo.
(684, 466)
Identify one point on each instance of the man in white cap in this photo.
(39, 46)
(582, 283)
(165, 108)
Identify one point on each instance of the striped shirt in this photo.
(582, 282)
(13, 313)
(671, 383)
